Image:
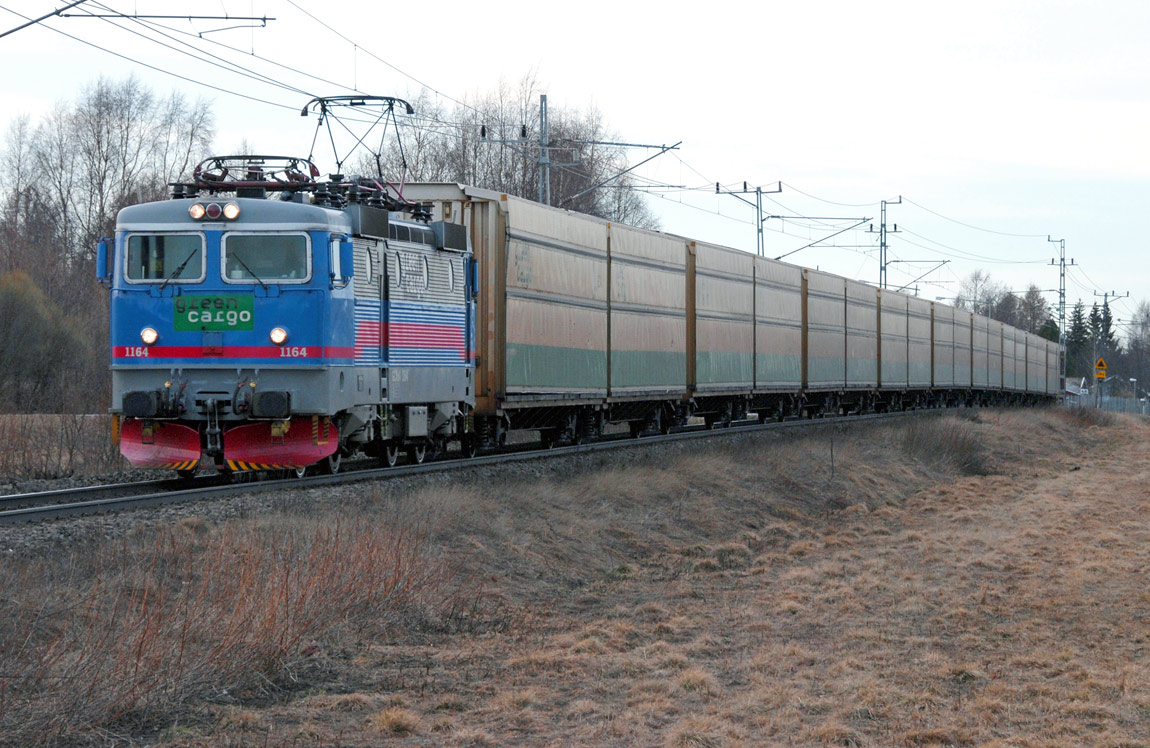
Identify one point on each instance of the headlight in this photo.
(279, 335)
(149, 336)
(231, 211)
(196, 211)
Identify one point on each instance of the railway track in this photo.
(94, 500)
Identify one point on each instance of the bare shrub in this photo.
(56, 446)
(197, 616)
(948, 442)
(1086, 417)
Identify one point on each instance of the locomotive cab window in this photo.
(158, 258)
(264, 258)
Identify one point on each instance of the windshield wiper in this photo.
(251, 272)
(176, 273)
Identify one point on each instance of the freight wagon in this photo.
(583, 322)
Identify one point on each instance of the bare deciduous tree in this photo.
(1033, 311)
(62, 183)
(492, 141)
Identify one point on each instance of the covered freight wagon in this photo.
(581, 322)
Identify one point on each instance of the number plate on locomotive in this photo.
(223, 312)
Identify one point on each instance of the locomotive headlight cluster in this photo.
(213, 211)
(279, 335)
(149, 335)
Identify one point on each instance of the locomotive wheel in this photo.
(330, 464)
(391, 454)
(298, 472)
(416, 453)
(186, 474)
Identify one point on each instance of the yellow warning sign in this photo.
(1101, 365)
(1100, 374)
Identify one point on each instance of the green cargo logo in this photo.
(213, 312)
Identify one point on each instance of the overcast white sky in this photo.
(1025, 118)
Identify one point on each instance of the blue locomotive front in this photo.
(275, 334)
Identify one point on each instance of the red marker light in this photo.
(214, 210)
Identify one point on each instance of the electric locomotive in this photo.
(264, 320)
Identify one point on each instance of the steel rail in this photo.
(66, 495)
(187, 494)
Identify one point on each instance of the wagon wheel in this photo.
(330, 464)
(663, 422)
(416, 453)
(469, 446)
(391, 454)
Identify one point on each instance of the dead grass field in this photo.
(967, 580)
(54, 446)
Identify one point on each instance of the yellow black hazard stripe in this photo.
(181, 465)
(240, 466)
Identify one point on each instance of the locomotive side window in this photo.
(260, 258)
(157, 258)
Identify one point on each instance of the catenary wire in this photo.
(965, 254)
(153, 67)
(970, 225)
(222, 64)
(380, 59)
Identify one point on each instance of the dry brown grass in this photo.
(145, 629)
(396, 721)
(56, 446)
(950, 442)
(747, 595)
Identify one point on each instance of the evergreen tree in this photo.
(1078, 340)
(1106, 339)
(1049, 330)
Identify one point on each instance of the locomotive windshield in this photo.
(172, 258)
(266, 257)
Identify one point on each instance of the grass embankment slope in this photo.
(959, 580)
